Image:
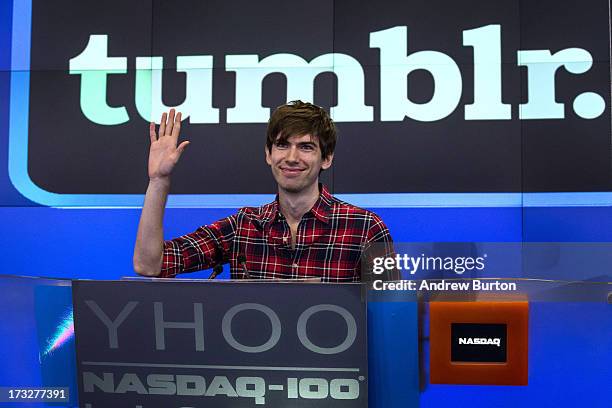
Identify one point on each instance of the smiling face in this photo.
(296, 163)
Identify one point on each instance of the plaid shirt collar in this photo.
(321, 209)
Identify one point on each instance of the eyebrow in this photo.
(308, 143)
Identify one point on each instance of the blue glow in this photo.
(22, 27)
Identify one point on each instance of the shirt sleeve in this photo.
(379, 243)
(379, 234)
(204, 248)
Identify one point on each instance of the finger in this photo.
(182, 147)
(162, 125)
(170, 123)
(177, 125)
(152, 134)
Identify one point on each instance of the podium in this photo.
(183, 343)
(570, 327)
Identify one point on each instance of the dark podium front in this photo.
(220, 344)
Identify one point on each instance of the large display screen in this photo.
(485, 97)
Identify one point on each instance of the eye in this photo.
(281, 145)
(307, 147)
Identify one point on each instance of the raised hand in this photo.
(163, 153)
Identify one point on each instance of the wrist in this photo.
(160, 182)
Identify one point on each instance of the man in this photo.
(305, 232)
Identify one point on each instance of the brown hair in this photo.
(298, 118)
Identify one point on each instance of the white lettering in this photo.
(395, 67)
(480, 341)
(93, 65)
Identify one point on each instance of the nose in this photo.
(292, 154)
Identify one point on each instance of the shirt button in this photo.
(295, 265)
(285, 239)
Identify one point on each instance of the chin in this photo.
(291, 188)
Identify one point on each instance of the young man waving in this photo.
(305, 233)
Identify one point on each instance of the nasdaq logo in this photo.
(480, 341)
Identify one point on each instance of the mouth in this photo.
(290, 171)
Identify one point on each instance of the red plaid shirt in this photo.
(329, 243)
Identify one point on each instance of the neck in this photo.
(294, 205)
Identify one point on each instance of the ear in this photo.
(268, 159)
(327, 162)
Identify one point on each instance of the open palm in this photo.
(164, 153)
